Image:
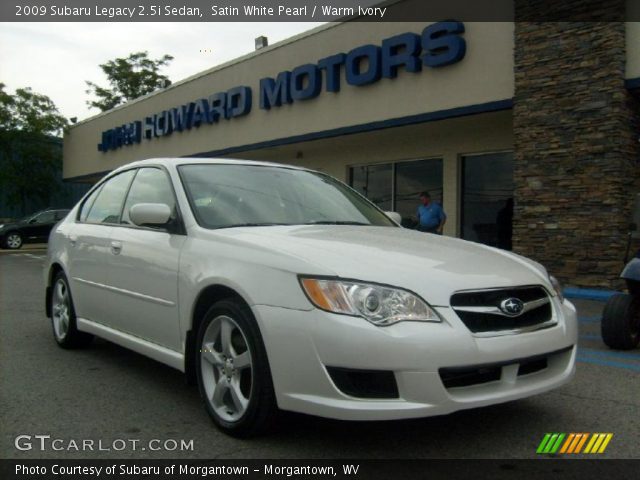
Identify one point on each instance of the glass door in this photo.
(487, 199)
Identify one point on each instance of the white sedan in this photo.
(275, 287)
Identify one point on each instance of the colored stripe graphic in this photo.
(582, 441)
(551, 443)
(556, 446)
(598, 443)
(568, 442)
(543, 443)
(573, 443)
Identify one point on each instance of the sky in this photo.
(55, 59)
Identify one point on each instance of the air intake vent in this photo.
(364, 383)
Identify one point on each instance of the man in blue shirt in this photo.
(431, 216)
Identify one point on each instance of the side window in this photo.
(108, 204)
(151, 185)
(45, 217)
(86, 206)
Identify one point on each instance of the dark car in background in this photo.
(34, 228)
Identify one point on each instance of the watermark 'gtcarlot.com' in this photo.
(45, 443)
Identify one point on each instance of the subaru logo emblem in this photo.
(512, 306)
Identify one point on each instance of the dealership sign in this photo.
(438, 45)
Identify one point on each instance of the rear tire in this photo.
(13, 241)
(620, 325)
(63, 316)
(233, 371)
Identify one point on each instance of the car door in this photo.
(89, 249)
(143, 266)
(39, 227)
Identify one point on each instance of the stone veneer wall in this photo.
(576, 149)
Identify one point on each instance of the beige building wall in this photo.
(484, 75)
(633, 44)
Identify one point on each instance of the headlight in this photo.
(380, 305)
(557, 287)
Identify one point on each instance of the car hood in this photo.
(430, 265)
(8, 225)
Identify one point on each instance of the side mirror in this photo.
(150, 214)
(395, 216)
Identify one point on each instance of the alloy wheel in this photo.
(61, 309)
(14, 240)
(226, 368)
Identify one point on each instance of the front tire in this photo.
(63, 316)
(233, 371)
(621, 322)
(13, 241)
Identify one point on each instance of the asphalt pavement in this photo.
(129, 405)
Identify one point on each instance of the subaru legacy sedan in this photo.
(279, 288)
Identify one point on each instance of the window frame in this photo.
(394, 164)
(102, 184)
(178, 223)
(178, 227)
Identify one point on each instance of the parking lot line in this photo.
(610, 353)
(608, 363)
(592, 319)
(37, 257)
(590, 336)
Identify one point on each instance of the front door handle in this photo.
(116, 247)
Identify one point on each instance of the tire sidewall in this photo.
(618, 317)
(243, 318)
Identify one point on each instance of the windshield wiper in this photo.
(336, 222)
(254, 224)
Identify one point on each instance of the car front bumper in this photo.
(302, 344)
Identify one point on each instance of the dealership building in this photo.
(527, 133)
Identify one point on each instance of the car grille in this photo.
(481, 312)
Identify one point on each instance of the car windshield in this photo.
(224, 195)
(29, 217)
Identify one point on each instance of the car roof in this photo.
(168, 161)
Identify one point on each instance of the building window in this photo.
(487, 199)
(374, 182)
(397, 186)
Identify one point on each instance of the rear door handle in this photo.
(116, 247)
(72, 240)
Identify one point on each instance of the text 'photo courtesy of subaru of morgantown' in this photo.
(280, 288)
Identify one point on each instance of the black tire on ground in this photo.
(12, 241)
(63, 316)
(239, 397)
(620, 325)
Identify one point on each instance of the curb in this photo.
(589, 294)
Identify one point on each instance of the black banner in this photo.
(316, 10)
(542, 468)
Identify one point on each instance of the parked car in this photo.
(276, 287)
(620, 325)
(34, 228)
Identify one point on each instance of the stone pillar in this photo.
(576, 149)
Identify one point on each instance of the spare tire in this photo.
(620, 325)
